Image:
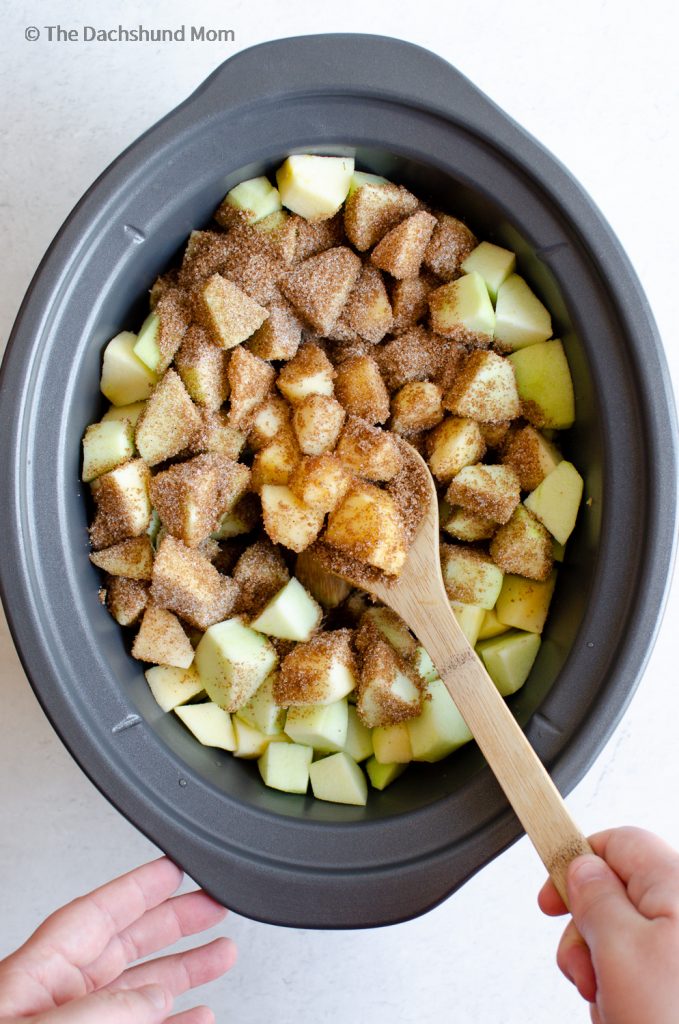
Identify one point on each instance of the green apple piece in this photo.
(359, 741)
(124, 378)
(493, 263)
(558, 551)
(543, 380)
(210, 724)
(250, 742)
(322, 726)
(393, 629)
(470, 618)
(524, 603)
(382, 775)
(555, 502)
(314, 186)
(154, 528)
(491, 626)
(292, 614)
(463, 307)
(467, 573)
(520, 317)
(232, 661)
(285, 766)
(105, 446)
(509, 659)
(262, 712)
(359, 178)
(173, 686)
(425, 666)
(339, 779)
(256, 198)
(147, 348)
(440, 728)
(130, 412)
(391, 744)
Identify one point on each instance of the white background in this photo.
(596, 82)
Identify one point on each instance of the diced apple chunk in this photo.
(557, 499)
(368, 311)
(210, 724)
(131, 558)
(250, 381)
(450, 243)
(485, 389)
(321, 726)
(168, 422)
(416, 407)
(470, 576)
(509, 659)
(524, 603)
(317, 422)
(520, 317)
(369, 527)
(455, 443)
(163, 331)
(368, 451)
(359, 743)
(361, 390)
(338, 779)
(185, 582)
(373, 208)
(489, 491)
(280, 335)
(440, 728)
(227, 312)
(261, 711)
(462, 310)
(320, 286)
(242, 519)
(250, 742)
(173, 686)
(391, 744)
(130, 412)
(523, 546)
(285, 766)
(123, 504)
(314, 186)
(320, 481)
(280, 231)
(410, 301)
(388, 689)
(543, 380)
(276, 461)
(491, 626)
(202, 367)
(493, 263)
(105, 446)
(126, 599)
(250, 201)
(268, 420)
(392, 628)
(321, 671)
(233, 661)
(216, 434)
(161, 639)
(531, 456)
(309, 373)
(287, 520)
(465, 525)
(401, 250)
(470, 619)
(382, 775)
(124, 378)
(191, 497)
(424, 666)
(260, 572)
(292, 614)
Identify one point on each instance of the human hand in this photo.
(75, 969)
(621, 950)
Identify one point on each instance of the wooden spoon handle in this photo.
(524, 779)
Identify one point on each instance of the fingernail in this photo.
(587, 869)
(156, 995)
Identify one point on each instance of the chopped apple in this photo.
(484, 389)
(368, 526)
(287, 520)
(185, 582)
(260, 572)
(462, 310)
(146, 347)
(392, 627)
(373, 207)
(531, 456)
(382, 775)
(359, 742)
(250, 201)
(543, 380)
(520, 317)
(557, 499)
(126, 599)
(319, 287)
(410, 301)
(292, 614)
(320, 481)
(401, 250)
(470, 576)
(491, 626)
(276, 461)
(281, 231)
(489, 491)
(168, 422)
(250, 742)
(309, 373)
(285, 766)
(321, 671)
(368, 451)
(250, 382)
(202, 367)
(161, 639)
(191, 497)
(130, 412)
(317, 422)
(338, 779)
(360, 178)
(242, 519)
(361, 390)
(440, 728)
(227, 312)
(314, 236)
(455, 443)
(173, 686)
(391, 744)
(261, 711)
(123, 504)
(280, 335)
(523, 546)
(132, 558)
(105, 446)
(233, 661)
(470, 619)
(216, 434)
(416, 407)
(450, 243)
(124, 378)
(558, 550)
(268, 420)
(493, 263)
(368, 311)
(524, 603)
(424, 665)
(509, 659)
(314, 186)
(210, 724)
(465, 525)
(321, 726)
(388, 689)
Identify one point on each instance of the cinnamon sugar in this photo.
(303, 673)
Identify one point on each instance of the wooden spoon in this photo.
(418, 595)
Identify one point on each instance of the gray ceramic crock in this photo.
(407, 114)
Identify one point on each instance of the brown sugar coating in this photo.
(523, 547)
(251, 380)
(401, 250)
(360, 389)
(260, 573)
(191, 497)
(302, 676)
(410, 489)
(319, 287)
(314, 236)
(368, 310)
(186, 583)
(476, 563)
(126, 599)
(372, 210)
(173, 323)
(409, 301)
(451, 243)
(202, 367)
(492, 492)
(161, 639)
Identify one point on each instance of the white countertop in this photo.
(597, 83)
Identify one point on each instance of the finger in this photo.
(575, 962)
(181, 971)
(198, 1015)
(594, 1014)
(550, 902)
(160, 927)
(147, 1005)
(598, 901)
(647, 865)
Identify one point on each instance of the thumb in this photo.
(598, 900)
(147, 1005)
